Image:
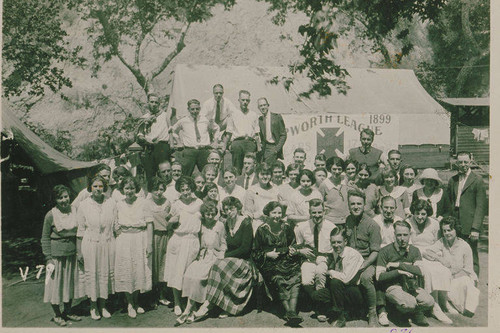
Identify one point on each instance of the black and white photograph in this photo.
(249, 164)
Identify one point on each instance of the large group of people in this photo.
(357, 237)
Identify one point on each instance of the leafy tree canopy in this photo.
(117, 25)
(460, 38)
(372, 21)
(34, 47)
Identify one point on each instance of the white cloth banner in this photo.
(335, 134)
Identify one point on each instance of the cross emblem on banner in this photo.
(330, 141)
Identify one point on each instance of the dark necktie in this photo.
(198, 136)
(338, 264)
(316, 236)
(247, 180)
(217, 113)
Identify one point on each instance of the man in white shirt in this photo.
(313, 239)
(154, 136)
(342, 290)
(218, 108)
(165, 173)
(195, 132)
(243, 130)
(387, 219)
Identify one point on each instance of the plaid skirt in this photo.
(230, 283)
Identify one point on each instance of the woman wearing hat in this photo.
(433, 193)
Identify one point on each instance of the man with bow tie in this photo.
(153, 135)
(387, 219)
(468, 195)
(272, 133)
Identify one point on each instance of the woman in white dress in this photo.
(96, 245)
(432, 192)
(134, 246)
(298, 206)
(389, 187)
(184, 244)
(407, 179)
(213, 246)
(104, 171)
(423, 234)
(456, 254)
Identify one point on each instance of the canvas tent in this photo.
(30, 168)
(396, 92)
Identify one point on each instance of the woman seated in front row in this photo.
(273, 249)
(456, 254)
(231, 280)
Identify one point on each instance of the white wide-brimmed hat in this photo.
(430, 173)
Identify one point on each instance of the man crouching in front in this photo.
(401, 279)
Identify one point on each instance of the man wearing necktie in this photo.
(342, 290)
(218, 109)
(243, 130)
(248, 176)
(195, 132)
(364, 236)
(313, 244)
(272, 133)
(468, 195)
(154, 136)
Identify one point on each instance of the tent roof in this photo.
(476, 101)
(45, 158)
(375, 91)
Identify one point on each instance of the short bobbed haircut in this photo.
(419, 204)
(130, 180)
(271, 205)
(97, 177)
(309, 175)
(58, 190)
(231, 201)
(185, 180)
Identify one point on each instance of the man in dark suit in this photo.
(468, 194)
(248, 176)
(272, 133)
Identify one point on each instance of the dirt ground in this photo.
(23, 307)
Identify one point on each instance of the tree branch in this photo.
(112, 41)
(174, 53)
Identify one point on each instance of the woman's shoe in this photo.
(224, 315)
(439, 314)
(181, 319)
(71, 317)
(105, 313)
(131, 311)
(140, 310)
(190, 319)
(164, 302)
(201, 314)
(94, 314)
(59, 321)
(177, 310)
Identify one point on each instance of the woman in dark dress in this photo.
(273, 242)
(231, 280)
